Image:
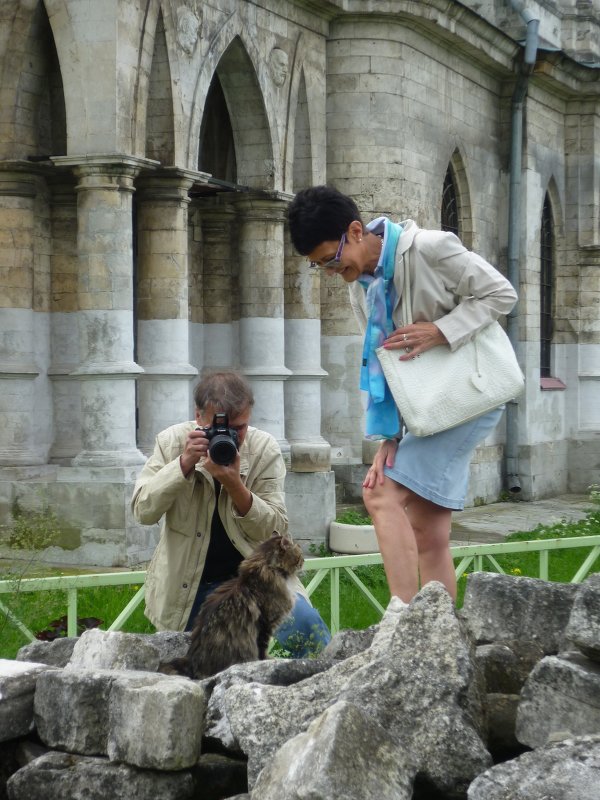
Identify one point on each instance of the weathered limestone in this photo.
(156, 726)
(162, 302)
(149, 720)
(569, 770)
(96, 649)
(17, 688)
(65, 775)
(262, 334)
(506, 665)
(400, 712)
(497, 608)
(105, 293)
(19, 344)
(561, 698)
(394, 688)
(308, 450)
(220, 285)
(330, 761)
(584, 623)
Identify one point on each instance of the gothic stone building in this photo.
(148, 151)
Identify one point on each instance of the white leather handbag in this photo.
(442, 388)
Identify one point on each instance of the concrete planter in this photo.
(352, 539)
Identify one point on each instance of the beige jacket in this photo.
(450, 285)
(187, 505)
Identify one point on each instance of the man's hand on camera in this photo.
(196, 448)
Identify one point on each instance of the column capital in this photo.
(168, 183)
(262, 206)
(111, 171)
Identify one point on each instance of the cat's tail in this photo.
(178, 666)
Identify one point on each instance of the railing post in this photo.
(72, 612)
(544, 564)
(335, 599)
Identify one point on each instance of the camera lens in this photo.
(222, 449)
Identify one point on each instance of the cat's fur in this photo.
(237, 620)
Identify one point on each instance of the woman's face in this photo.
(353, 254)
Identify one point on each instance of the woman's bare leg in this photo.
(386, 503)
(431, 525)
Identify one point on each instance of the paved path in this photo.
(493, 522)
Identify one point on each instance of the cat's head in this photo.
(281, 553)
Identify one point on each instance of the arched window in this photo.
(546, 288)
(450, 204)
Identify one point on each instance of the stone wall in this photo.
(126, 269)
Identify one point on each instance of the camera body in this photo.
(223, 440)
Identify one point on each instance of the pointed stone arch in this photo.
(249, 123)
(216, 153)
(302, 175)
(237, 62)
(32, 112)
(160, 131)
(456, 176)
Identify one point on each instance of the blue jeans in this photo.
(302, 633)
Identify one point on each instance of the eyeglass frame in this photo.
(333, 262)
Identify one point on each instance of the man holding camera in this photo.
(218, 483)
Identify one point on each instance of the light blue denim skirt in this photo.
(437, 467)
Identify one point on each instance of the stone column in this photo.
(64, 326)
(19, 442)
(262, 330)
(220, 285)
(163, 348)
(309, 451)
(106, 371)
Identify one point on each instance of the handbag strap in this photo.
(407, 317)
(406, 303)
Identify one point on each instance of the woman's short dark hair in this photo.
(319, 214)
(225, 391)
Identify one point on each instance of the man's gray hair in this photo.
(225, 391)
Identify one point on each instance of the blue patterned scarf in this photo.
(382, 420)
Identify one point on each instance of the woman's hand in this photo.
(415, 339)
(384, 457)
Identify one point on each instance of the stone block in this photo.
(584, 623)
(56, 775)
(56, 653)
(156, 722)
(497, 608)
(17, 688)
(506, 665)
(561, 698)
(114, 650)
(71, 710)
(343, 753)
(569, 770)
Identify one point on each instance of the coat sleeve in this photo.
(159, 484)
(266, 481)
(483, 294)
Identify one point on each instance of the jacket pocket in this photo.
(180, 517)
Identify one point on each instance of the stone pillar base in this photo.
(310, 456)
(310, 499)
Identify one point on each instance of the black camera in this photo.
(223, 440)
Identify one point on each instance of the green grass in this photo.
(38, 609)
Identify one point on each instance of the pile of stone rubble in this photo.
(500, 700)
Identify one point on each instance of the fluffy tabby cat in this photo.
(238, 618)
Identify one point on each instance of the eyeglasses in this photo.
(333, 262)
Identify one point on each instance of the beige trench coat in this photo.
(450, 285)
(187, 505)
